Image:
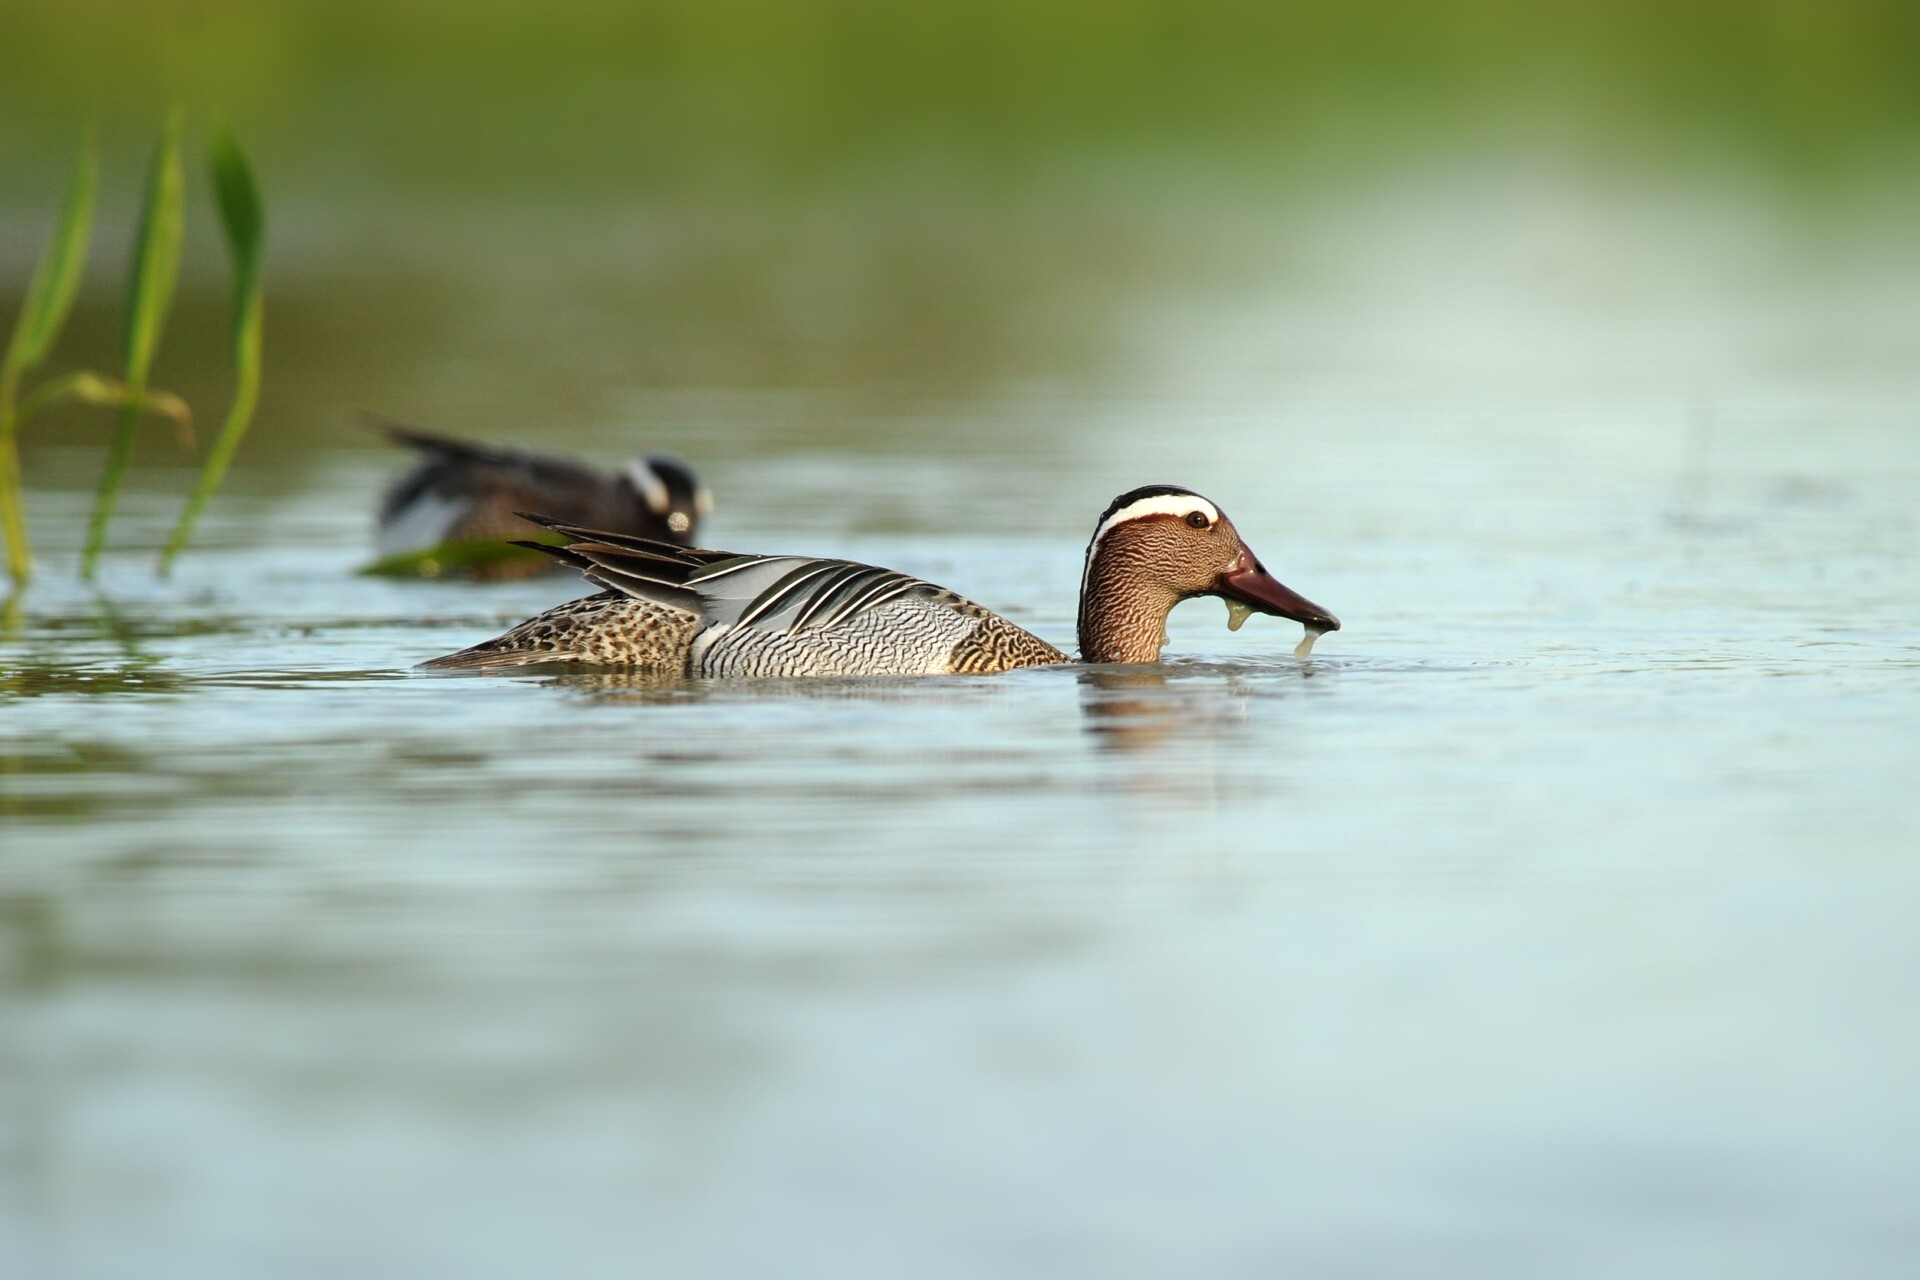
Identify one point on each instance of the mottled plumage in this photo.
(463, 492)
(610, 629)
(680, 610)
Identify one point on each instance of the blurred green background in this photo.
(735, 101)
(492, 215)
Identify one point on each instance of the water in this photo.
(1557, 915)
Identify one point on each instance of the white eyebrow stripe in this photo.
(1165, 504)
(647, 481)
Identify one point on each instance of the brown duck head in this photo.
(1162, 544)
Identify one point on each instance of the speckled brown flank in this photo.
(609, 629)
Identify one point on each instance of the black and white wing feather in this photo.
(781, 594)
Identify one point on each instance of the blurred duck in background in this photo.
(463, 496)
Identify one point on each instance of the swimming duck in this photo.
(680, 611)
(462, 492)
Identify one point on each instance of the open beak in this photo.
(1255, 588)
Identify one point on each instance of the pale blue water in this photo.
(1558, 917)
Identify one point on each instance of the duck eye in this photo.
(1198, 519)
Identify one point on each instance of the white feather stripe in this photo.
(882, 586)
(847, 580)
(750, 562)
(702, 645)
(765, 604)
(1164, 504)
(647, 483)
(1180, 505)
(421, 523)
(873, 597)
(635, 573)
(608, 552)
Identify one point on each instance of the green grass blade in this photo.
(156, 269)
(13, 514)
(50, 294)
(156, 252)
(90, 388)
(43, 313)
(243, 218)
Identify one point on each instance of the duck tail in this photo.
(491, 654)
(434, 443)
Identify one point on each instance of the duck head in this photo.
(1162, 544)
(669, 489)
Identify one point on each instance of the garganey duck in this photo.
(677, 611)
(462, 492)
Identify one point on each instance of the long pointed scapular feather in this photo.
(732, 592)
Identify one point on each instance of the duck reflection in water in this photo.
(1141, 708)
(1180, 733)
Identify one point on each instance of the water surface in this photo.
(1556, 915)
